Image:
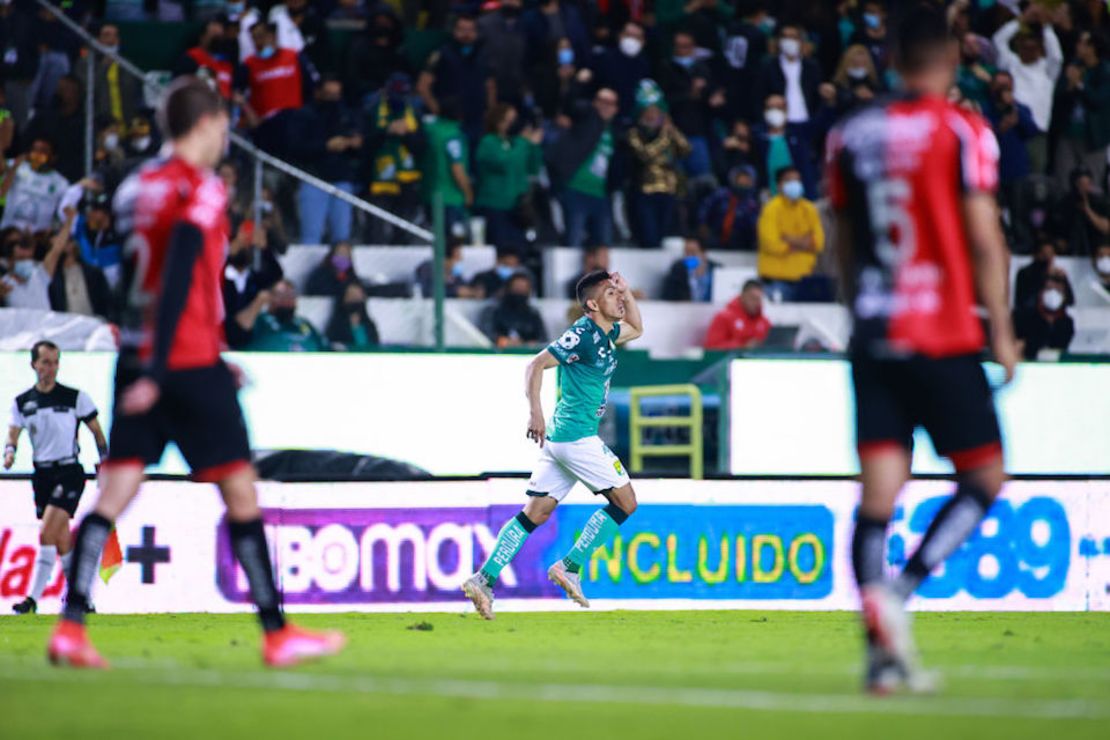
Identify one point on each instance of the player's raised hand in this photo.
(618, 282)
(9, 458)
(139, 397)
(537, 428)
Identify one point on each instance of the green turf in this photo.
(571, 676)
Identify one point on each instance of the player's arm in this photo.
(11, 445)
(632, 325)
(59, 241)
(843, 248)
(992, 271)
(533, 382)
(98, 434)
(186, 241)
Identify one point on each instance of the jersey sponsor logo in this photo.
(573, 358)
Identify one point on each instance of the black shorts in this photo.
(198, 410)
(948, 396)
(61, 486)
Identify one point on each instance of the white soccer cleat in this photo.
(569, 582)
(480, 593)
(886, 618)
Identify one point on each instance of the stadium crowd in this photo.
(585, 123)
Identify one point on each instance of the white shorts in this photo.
(563, 463)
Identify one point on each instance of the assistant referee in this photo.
(52, 415)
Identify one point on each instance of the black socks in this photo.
(91, 536)
(248, 541)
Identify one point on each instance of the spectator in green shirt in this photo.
(505, 163)
(446, 163)
(279, 329)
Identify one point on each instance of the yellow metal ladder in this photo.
(638, 422)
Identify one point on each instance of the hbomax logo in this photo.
(664, 551)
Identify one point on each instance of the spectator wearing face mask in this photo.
(1030, 279)
(657, 147)
(1046, 325)
(394, 141)
(100, 246)
(737, 150)
(454, 279)
(778, 146)
(280, 329)
(792, 77)
(690, 278)
(976, 71)
(140, 143)
(445, 170)
(78, 287)
(622, 68)
(1082, 215)
(741, 324)
(1013, 127)
(873, 34)
(277, 81)
(27, 284)
(326, 142)
(514, 322)
(334, 273)
(492, 281)
(728, 216)
(33, 188)
(350, 327)
(213, 57)
(745, 47)
(694, 99)
(117, 95)
(856, 82)
(62, 123)
(460, 71)
(250, 273)
(790, 237)
(505, 163)
(1035, 62)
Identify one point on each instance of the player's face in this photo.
(213, 131)
(46, 366)
(610, 303)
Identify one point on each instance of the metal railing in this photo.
(638, 422)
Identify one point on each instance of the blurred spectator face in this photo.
(874, 16)
(98, 218)
(790, 185)
(774, 111)
(263, 38)
(693, 248)
(140, 134)
(519, 288)
(969, 48)
(1029, 48)
(354, 296)
(684, 48)
(109, 136)
(1085, 50)
(564, 53)
(330, 91)
(596, 259)
(384, 30)
(295, 7)
(652, 118)
(1046, 252)
(790, 42)
(211, 35)
(341, 257)
(23, 258)
(511, 8)
(465, 33)
(283, 300)
(68, 95)
(606, 103)
(41, 154)
(230, 177)
(632, 40)
(109, 36)
(742, 180)
(508, 119)
(857, 62)
(1052, 295)
(1084, 183)
(751, 298)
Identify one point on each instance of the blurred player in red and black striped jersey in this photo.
(912, 181)
(171, 384)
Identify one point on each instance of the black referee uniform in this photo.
(52, 420)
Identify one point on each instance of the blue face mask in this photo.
(24, 269)
(793, 189)
(692, 262)
(566, 56)
(236, 8)
(466, 49)
(872, 20)
(266, 52)
(505, 272)
(457, 271)
(686, 62)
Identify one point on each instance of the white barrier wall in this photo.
(1055, 419)
(691, 544)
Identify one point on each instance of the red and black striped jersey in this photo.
(898, 170)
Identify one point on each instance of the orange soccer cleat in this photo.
(69, 646)
(291, 645)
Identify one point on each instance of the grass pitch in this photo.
(686, 675)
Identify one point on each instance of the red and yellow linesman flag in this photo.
(112, 557)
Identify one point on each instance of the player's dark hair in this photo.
(920, 36)
(586, 286)
(271, 27)
(753, 283)
(41, 344)
(187, 100)
(782, 172)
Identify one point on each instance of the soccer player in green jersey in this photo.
(570, 448)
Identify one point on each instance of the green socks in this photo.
(599, 529)
(509, 541)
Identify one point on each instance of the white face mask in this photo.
(775, 117)
(1103, 265)
(790, 47)
(630, 46)
(1053, 299)
(111, 141)
(141, 143)
(857, 73)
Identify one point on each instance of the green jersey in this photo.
(593, 173)
(587, 360)
(446, 145)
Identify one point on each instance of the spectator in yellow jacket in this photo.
(790, 237)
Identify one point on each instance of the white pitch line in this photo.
(1026, 708)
